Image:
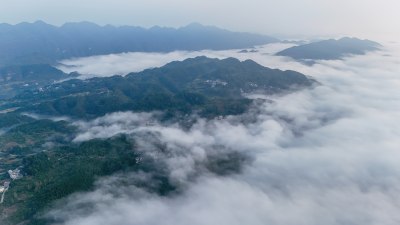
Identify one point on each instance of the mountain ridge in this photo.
(42, 43)
(213, 86)
(330, 49)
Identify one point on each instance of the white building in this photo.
(15, 174)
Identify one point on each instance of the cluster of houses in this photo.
(14, 175)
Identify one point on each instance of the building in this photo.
(15, 174)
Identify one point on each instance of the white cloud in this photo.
(327, 155)
(111, 125)
(122, 64)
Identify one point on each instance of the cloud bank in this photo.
(327, 155)
(122, 64)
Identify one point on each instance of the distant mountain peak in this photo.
(81, 24)
(199, 26)
(37, 23)
(357, 40)
(195, 24)
(331, 49)
(40, 22)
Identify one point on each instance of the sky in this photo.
(284, 18)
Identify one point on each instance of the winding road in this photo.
(2, 196)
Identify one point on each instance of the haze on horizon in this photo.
(371, 19)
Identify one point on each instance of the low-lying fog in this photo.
(328, 155)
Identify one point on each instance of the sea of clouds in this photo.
(325, 155)
(122, 64)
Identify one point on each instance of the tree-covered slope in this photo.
(18, 78)
(210, 86)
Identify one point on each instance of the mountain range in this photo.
(212, 85)
(41, 43)
(42, 108)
